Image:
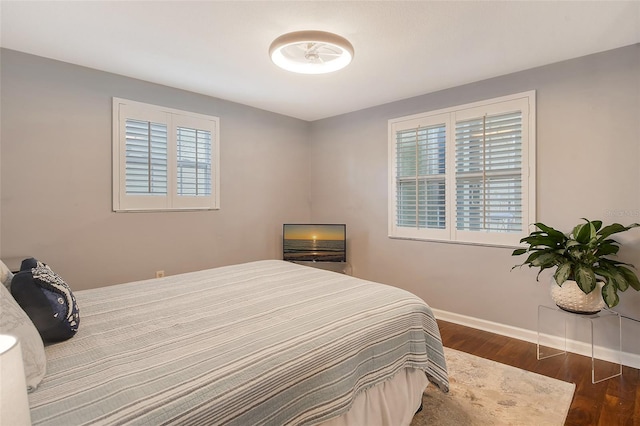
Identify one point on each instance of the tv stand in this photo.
(340, 267)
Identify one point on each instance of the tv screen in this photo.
(314, 242)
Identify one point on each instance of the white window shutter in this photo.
(488, 173)
(193, 162)
(146, 158)
(420, 177)
(164, 159)
(196, 180)
(464, 174)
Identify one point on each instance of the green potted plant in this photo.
(583, 264)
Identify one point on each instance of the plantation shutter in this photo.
(464, 174)
(420, 177)
(145, 158)
(193, 162)
(489, 173)
(164, 159)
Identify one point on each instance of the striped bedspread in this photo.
(266, 342)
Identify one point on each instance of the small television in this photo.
(314, 242)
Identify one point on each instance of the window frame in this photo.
(124, 109)
(526, 101)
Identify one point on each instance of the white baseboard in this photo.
(581, 348)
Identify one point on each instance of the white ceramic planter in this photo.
(571, 298)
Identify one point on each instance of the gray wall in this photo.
(56, 179)
(588, 147)
(56, 182)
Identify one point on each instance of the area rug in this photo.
(485, 392)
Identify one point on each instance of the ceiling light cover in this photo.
(311, 52)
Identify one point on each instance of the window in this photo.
(163, 159)
(464, 174)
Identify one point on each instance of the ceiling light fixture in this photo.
(311, 52)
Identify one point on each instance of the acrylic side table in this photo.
(605, 335)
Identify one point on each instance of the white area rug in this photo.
(484, 392)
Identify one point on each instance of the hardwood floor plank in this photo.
(636, 408)
(616, 411)
(612, 402)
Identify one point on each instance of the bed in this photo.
(266, 342)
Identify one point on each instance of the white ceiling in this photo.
(402, 49)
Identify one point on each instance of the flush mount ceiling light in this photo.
(311, 52)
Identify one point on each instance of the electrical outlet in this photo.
(159, 274)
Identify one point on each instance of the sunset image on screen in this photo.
(318, 243)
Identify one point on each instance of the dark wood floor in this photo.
(612, 402)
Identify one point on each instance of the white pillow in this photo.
(5, 275)
(14, 321)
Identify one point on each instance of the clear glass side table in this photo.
(605, 335)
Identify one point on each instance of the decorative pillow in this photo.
(5, 275)
(14, 321)
(47, 299)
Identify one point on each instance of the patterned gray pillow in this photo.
(14, 321)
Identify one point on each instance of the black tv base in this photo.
(340, 267)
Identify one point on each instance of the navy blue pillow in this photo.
(47, 300)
